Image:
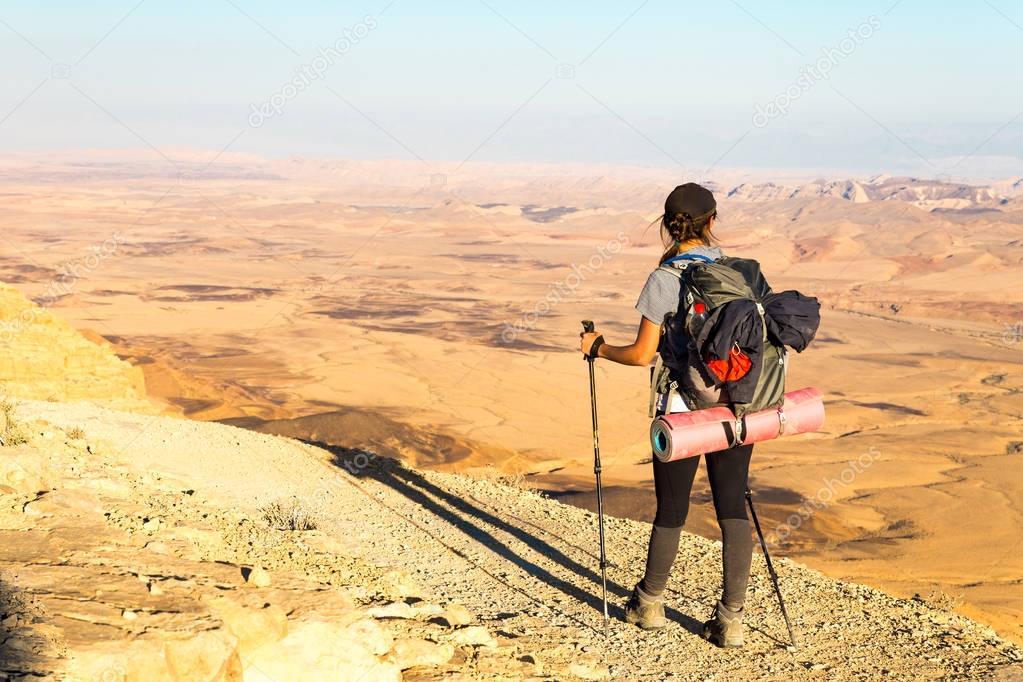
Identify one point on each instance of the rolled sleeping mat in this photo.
(690, 434)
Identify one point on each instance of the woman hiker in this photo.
(687, 232)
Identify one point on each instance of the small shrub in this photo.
(11, 431)
(512, 480)
(943, 600)
(492, 474)
(288, 515)
(76, 433)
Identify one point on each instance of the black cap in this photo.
(696, 200)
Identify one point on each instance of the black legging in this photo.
(727, 471)
(673, 483)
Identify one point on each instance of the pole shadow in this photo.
(471, 520)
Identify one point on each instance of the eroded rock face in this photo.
(110, 573)
(410, 653)
(45, 358)
(211, 655)
(22, 471)
(324, 650)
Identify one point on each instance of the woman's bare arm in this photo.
(639, 353)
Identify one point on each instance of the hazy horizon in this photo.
(887, 87)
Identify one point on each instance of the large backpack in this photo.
(706, 286)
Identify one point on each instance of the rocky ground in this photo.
(136, 547)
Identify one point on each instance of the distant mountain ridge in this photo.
(536, 186)
(924, 193)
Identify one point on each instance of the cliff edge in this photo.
(45, 358)
(137, 547)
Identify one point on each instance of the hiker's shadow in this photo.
(473, 521)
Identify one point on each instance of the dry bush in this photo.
(11, 430)
(513, 480)
(492, 474)
(76, 433)
(943, 600)
(288, 514)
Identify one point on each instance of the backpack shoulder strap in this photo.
(690, 257)
(678, 265)
(655, 379)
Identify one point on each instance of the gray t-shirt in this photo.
(660, 295)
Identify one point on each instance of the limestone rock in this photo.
(589, 671)
(473, 635)
(409, 653)
(319, 650)
(398, 609)
(253, 627)
(427, 610)
(77, 504)
(139, 660)
(258, 577)
(456, 614)
(370, 634)
(210, 655)
(401, 585)
(23, 470)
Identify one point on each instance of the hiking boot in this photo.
(645, 611)
(725, 628)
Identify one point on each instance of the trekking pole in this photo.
(587, 328)
(770, 567)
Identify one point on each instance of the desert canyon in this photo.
(420, 321)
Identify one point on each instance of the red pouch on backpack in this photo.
(732, 368)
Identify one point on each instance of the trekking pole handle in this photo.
(588, 328)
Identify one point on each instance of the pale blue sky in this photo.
(657, 82)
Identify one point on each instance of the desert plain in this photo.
(430, 312)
